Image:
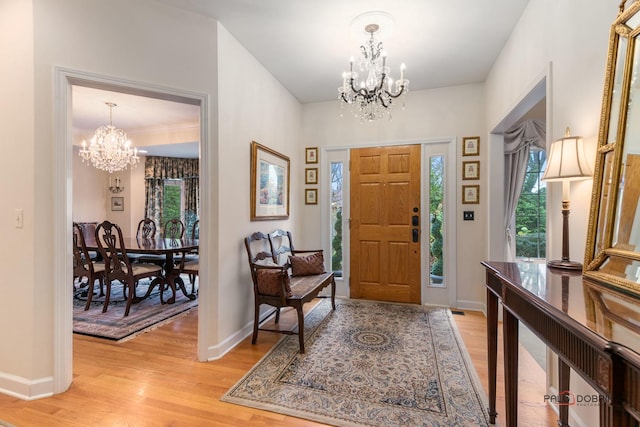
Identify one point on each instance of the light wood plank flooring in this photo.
(155, 380)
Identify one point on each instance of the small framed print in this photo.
(471, 170)
(117, 203)
(471, 146)
(311, 196)
(470, 194)
(311, 176)
(311, 154)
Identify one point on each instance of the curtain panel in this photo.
(517, 145)
(156, 171)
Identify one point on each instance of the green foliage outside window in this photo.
(531, 212)
(336, 244)
(436, 199)
(171, 208)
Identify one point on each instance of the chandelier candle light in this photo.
(110, 148)
(371, 98)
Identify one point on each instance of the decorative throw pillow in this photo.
(270, 281)
(307, 265)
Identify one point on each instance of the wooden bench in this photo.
(269, 261)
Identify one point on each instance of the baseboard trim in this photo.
(22, 388)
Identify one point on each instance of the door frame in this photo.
(343, 153)
(64, 79)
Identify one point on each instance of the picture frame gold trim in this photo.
(117, 203)
(269, 184)
(471, 146)
(311, 196)
(311, 175)
(471, 170)
(311, 155)
(470, 194)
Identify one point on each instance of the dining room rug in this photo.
(143, 316)
(369, 364)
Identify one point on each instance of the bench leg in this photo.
(301, 328)
(333, 293)
(256, 319)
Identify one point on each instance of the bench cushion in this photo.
(307, 265)
(270, 282)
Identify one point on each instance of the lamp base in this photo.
(564, 264)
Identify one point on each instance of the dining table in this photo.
(168, 248)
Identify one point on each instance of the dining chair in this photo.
(190, 267)
(193, 258)
(118, 266)
(146, 231)
(89, 229)
(85, 266)
(174, 229)
(195, 230)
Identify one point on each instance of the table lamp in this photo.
(567, 162)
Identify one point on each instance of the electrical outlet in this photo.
(468, 215)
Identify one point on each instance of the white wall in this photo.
(253, 107)
(154, 44)
(22, 324)
(90, 193)
(452, 112)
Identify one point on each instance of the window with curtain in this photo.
(520, 142)
(172, 189)
(531, 210)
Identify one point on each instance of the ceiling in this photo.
(306, 45)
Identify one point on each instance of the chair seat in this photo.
(191, 266)
(99, 267)
(144, 269)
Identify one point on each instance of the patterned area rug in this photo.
(369, 364)
(144, 316)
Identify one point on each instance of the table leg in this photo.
(510, 339)
(492, 349)
(172, 276)
(564, 373)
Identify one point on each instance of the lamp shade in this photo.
(567, 160)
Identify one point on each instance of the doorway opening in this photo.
(65, 80)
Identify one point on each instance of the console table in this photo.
(594, 330)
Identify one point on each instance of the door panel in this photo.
(385, 190)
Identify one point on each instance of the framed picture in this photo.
(471, 146)
(269, 183)
(311, 176)
(117, 203)
(471, 170)
(470, 194)
(311, 154)
(311, 196)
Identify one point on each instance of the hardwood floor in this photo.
(155, 380)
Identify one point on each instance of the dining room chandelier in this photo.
(373, 95)
(110, 149)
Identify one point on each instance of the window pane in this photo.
(531, 211)
(436, 221)
(172, 200)
(336, 218)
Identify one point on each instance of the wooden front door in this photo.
(385, 205)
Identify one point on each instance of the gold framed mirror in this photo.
(612, 253)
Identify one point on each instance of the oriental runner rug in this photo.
(369, 364)
(143, 316)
